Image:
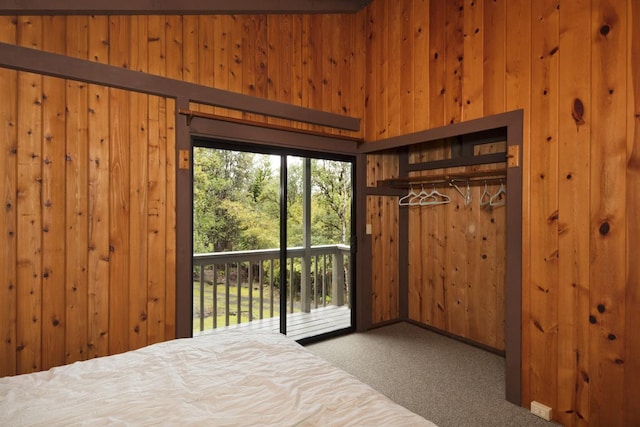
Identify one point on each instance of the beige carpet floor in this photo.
(446, 381)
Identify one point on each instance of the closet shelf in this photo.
(474, 177)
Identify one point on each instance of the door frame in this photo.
(234, 132)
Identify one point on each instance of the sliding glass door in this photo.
(271, 241)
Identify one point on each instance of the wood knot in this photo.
(55, 322)
(577, 111)
(601, 308)
(605, 228)
(604, 30)
(592, 319)
(611, 337)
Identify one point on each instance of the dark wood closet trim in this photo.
(497, 121)
(512, 123)
(55, 65)
(177, 7)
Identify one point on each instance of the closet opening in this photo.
(458, 195)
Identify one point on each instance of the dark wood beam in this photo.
(51, 64)
(178, 7)
(483, 124)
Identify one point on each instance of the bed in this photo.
(227, 378)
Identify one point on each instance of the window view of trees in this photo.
(236, 201)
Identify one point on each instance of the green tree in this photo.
(332, 194)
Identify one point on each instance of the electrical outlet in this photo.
(540, 410)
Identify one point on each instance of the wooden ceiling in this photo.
(177, 7)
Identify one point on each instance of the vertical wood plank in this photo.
(473, 54)
(608, 213)
(543, 324)
(518, 95)
(250, 57)
(342, 54)
(221, 53)
(156, 223)
(381, 62)
(454, 60)
(53, 203)
(98, 208)
(296, 64)
(138, 220)
(373, 28)
(573, 226)
(29, 222)
(158, 170)
(190, 43)
(258, 50)
(173, 34)
(8, 215)
(119, 206)
(437, 63)
(456, 268)
(76, 198)
(138, 191)
(395, 53)
(494, 28)
(632, 322)
(29, 213)
(417, 14)
(235, 60)
(206, 64)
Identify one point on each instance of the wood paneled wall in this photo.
(572, 66)
(403, 66)
(88, 253)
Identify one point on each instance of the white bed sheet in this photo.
(228, 378)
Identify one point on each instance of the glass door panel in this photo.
(242, 274)
(319, 206)
(236, 244)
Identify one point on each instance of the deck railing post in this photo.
(337, 276)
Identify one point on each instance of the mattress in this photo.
(228, 378)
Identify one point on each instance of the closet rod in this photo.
(474, 177)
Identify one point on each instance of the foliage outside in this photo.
(237, 207)
(236, 201)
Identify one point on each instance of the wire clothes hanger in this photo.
(406, 200)
(465, 195)
(485, 198)
(499, 198)
(435, 198)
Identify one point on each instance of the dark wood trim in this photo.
(513, 123)
(184, 229)
(239, 132)
(192, 114)
(385, 191)
(51, 64)
(177, 7)
(363, 249)
(403, 246)
(449, 131)
(513, 314)
(469, 160)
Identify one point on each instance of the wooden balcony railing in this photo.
(241, 286)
